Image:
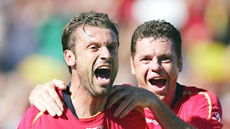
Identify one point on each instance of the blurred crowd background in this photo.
(31, 53)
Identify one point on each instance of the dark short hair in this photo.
(157, 29)
(86, 18)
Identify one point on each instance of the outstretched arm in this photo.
(45, 97)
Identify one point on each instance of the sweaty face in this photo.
(156, 67)
(96, 58)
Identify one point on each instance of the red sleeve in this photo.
(207, 112)
(28, 118)
(136, 120)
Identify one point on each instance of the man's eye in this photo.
(93, 47)
(145, 60)
(165, 59)
(112, 47)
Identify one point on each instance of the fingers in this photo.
(44, 104)
(45, 97)
(39, 106)
(59, 84)
(52, 97)
(128, 98)
(50, 102)
(127, 110)
(115, 95)
(124, 95)
(124, 108)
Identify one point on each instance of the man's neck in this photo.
(84, 103)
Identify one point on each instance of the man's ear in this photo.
(180, 64)
(132, 66)
(69, 58)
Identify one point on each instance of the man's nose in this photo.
(155, 65)
(105, 53)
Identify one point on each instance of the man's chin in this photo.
(102, 92)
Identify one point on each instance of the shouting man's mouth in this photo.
(159, 82)
(103, 73)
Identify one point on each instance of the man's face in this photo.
(96, 58)
(156, 67)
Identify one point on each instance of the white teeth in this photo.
(104, 67)
(156, 78)
(102, 79)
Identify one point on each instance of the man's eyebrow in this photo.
(166, 54)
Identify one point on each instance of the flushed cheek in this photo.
(142, 78)
(173, 72)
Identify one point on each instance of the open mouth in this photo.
(158, 82)
(103, 73)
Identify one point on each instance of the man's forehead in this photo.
(151, 39)
(92, 32)
(154, 44)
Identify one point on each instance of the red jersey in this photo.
(195, 106)
(34, 119)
